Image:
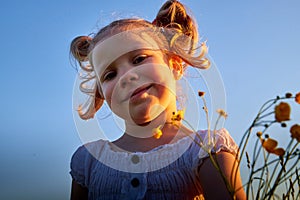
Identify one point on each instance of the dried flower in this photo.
(177, 116)
(282, 112)
(279, 151)
(156, 132)
(288, 95)
(267, 136)
(259, 134)
(297, 97)
(283, 125)
(201, 93)
(270, 146)
(222, 113)
(295, 132)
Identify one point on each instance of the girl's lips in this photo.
(136, 94)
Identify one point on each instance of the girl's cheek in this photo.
(158, 72)
(108, 90)
(149, 71)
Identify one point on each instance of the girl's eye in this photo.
(109, 75)
(139, 59)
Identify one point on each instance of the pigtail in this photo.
(80, 48)
(173, 14)
(184, 42)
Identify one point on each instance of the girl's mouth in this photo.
(139, 92)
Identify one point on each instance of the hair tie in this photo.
(154, 22)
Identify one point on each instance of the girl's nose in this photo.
(128, 77)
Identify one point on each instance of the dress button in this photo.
(135, 182)
(135, 159)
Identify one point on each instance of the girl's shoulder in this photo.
(85, 149)
(215, 141)
(83, 160)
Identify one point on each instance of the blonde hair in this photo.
(180, 40)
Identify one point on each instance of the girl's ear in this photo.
(176, 66)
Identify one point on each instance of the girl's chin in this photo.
(150, 119)
(142, 123)
(143, 114)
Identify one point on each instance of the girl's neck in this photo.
(139, 138)
(171, 134)
(145, 130)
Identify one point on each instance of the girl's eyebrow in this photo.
(140, 51)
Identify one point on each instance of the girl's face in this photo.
(138, 85)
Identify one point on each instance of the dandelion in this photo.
(270, 146)
(199, 197)
(222, 113)
(295, 132)
(282, 112)
(177, 116)
(297, 97)
(156, 132)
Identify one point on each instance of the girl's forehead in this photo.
(108, 50)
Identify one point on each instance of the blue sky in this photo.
(255, 45)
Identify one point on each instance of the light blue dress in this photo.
(166, 172)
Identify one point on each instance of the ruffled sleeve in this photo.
(84, 160)
(77, 167)
(79, 162)
(221, 140)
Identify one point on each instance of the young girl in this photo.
(136, 65)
